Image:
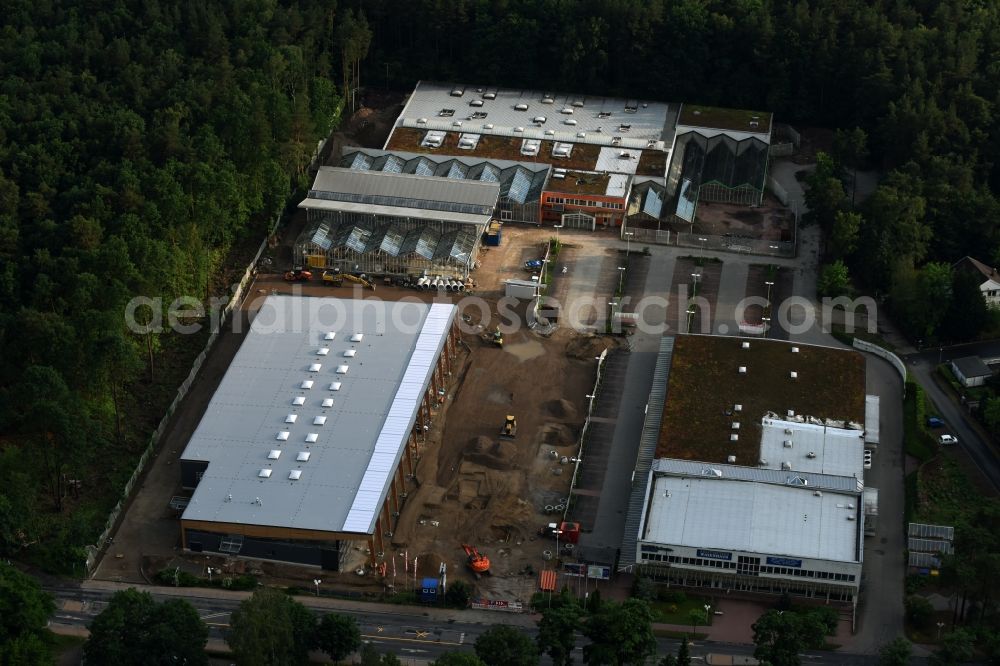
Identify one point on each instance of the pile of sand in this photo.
(561, 409)
(587, 347)
(557, 434)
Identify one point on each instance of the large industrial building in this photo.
(679, 154)
(752, 469)
(303, 450)
(385, 222)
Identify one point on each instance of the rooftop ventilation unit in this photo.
(328, 402)
(762, 462)
(291, 418)
(731, 460)
(559, 176)
(488, 126)
(457, 123)
(475, 102)
(743, 369)
(811, 455)
(550, 132)
(303, 456)
(312, 437)
(264, 473)
(788, 431)
(581, 135)
(307, 384)
(490, 95)
(568, 110)
(791, 413)
(818, 493)
(457, 92)
(793, 374)
(315, 367)
(446, 113)
(350, 353)
(322, 351)
(330, 336)
(787, 443)
(711, 471)
(274, 454)
(518, 129)
(319, 420)
(734, 437)
(569, 121)
(298, 400)
(548, 98)
(604, 115)
(421, 121)
(295, 475)
(282, 436)
(786, 466)
(850, 516)
(736, 425)
(578, 103)
(795, 350)
(745, 345)
(342, 370)
(521, 107)
(737, 407)
(850, 506)
(335, 386)
(538, 120)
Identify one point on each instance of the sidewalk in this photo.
(324, 603)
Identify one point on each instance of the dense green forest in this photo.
(139, 141)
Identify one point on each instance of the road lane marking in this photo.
(408, 640)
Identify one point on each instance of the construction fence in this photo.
(583, 431)
(150, 451)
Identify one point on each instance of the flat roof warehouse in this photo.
(313, 415)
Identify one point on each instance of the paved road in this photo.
(980, 449)
(881, 610)
(416, 635)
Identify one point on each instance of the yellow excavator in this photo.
(337, 279)
(498, 337)
(509, 430)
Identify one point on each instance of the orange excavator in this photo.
(478, 563)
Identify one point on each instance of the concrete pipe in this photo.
(559, 507)
(546, 555)
(422, 283)
(549, 508)
(461, 286)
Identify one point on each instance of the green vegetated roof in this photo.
(705, 384)
(715, 117)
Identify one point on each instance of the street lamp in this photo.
(316, 582)
(767, 325)
(940, 626)
(621, 278)
(628, 238)
(690, 313)
(611, 317)
(703, 241)
(209, 574)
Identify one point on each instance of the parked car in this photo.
(533, 265)
(947, 440)
(934, 422)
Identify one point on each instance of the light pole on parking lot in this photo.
(628, 238)
(621, 278)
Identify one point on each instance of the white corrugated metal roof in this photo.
(251, 403)
(814, 448)
(398, 211)
(724, 514)
(871, 418)
(399, 419)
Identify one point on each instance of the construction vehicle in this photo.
(332, 279)
(298, 274)
(337, 279)
(509, 430)
(498, 337)
(478, 563)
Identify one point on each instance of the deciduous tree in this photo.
(620, 634)
(504, 645)
(338, 636)
(271, 629)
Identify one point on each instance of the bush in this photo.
(826, 616)
(671, 596)
(643, 588)
(176, 577)
(919, 611)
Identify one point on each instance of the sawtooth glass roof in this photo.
(359, 439)
(521, 182)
